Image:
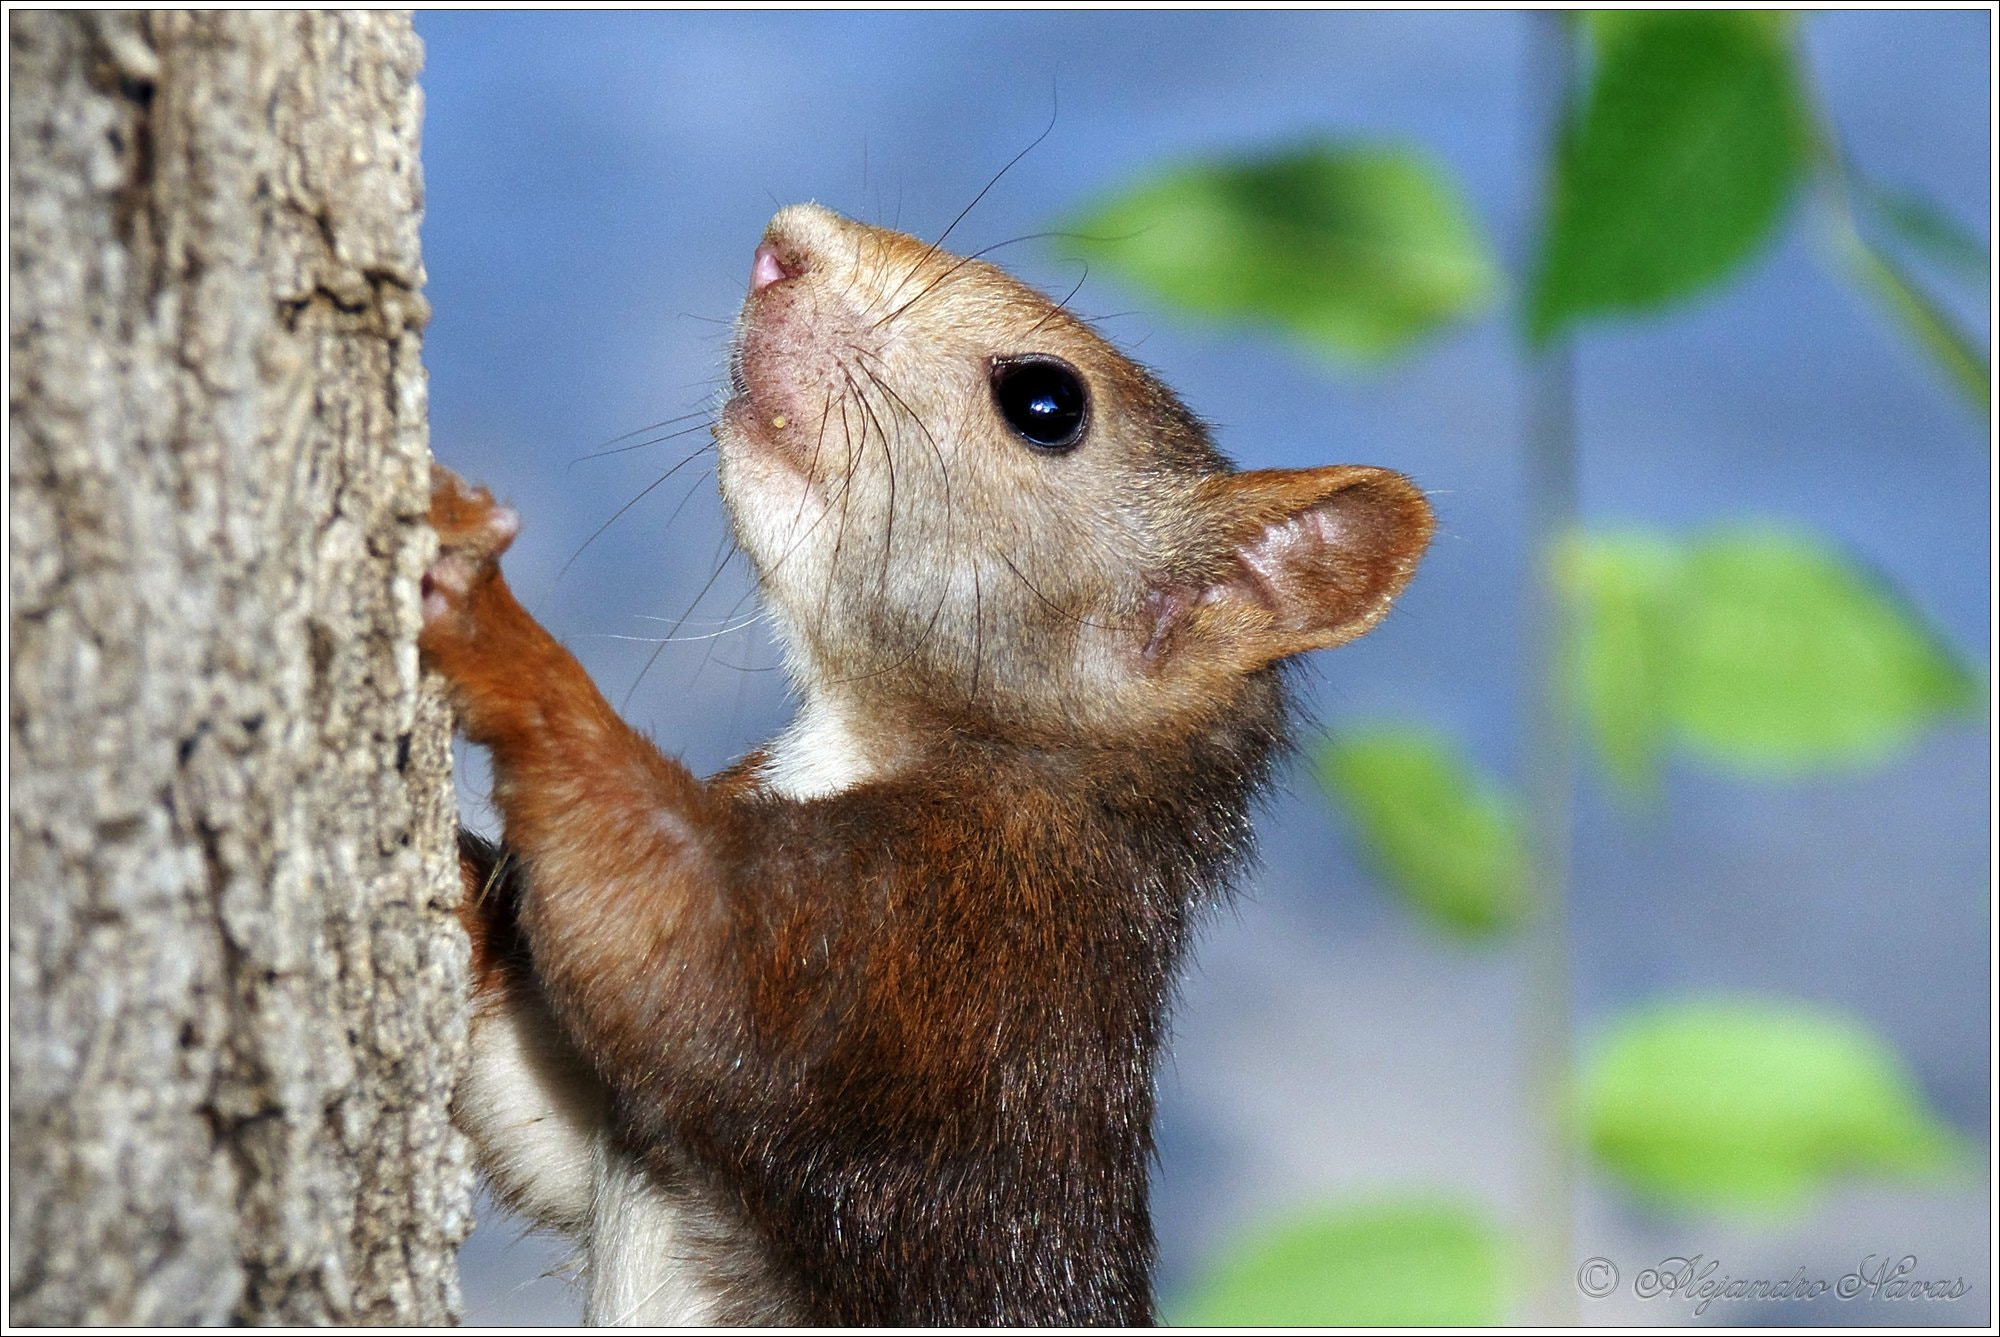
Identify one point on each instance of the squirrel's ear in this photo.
(1315, 558)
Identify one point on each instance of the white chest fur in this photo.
(822, 753)
(644, 1269)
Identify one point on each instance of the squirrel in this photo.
(863, 1029)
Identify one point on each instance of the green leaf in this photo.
(1421, 1263)
(1607, 27)
(1676, 168)
(1790, 656)
(1621, 591)
(1757, 647)
(1750, 1105)
(1923, 320)
(1359, 250)
(1446, 840)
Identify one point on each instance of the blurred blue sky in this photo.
(595, 184)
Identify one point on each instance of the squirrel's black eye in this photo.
(1043, 400)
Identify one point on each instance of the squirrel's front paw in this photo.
(473, 530)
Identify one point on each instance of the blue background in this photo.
(595, 184)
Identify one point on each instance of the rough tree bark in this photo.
(235, 1013)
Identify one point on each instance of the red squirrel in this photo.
(863, 1029)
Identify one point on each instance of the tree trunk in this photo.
(236, 1011)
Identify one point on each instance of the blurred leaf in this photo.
(1360, 250)
(1925, 227)
(1446, 840)
(1923, 320)
(1756, 646)
(1621, 591)
(1677, 166)
(1609, 26)
(1790, 655)
(1752, 1104)
(1413, 1264)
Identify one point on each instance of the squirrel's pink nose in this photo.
(766, 268)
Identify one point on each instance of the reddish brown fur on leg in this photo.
(609, 834)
